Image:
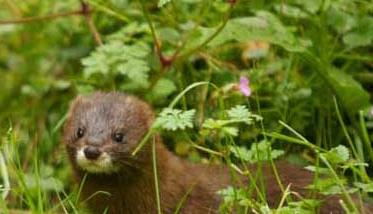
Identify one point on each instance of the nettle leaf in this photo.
(173, 119)
(161, 3)
(337, 155)
(118, 58)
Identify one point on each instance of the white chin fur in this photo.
(103, 164)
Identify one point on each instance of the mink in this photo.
(100, 134)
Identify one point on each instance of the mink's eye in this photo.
(80, 133)
(118, 137)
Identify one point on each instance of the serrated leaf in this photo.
(136, 70)
(118, 58)
(337, 155)
(173, 119)
(240, 113)
(138, 50)
(258, 152)
(241, 153)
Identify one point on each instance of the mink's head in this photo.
(103, 129)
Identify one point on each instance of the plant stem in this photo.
(91, 25)
(152, 29)
(366, 139)
(109, 11)
(213, 35)
(156, 183)
(349, 140)
(40, 18)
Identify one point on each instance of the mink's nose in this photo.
(92, 153)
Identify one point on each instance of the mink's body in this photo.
(104, 128)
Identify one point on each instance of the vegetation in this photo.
(244, 82)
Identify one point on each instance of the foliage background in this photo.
(298, 56)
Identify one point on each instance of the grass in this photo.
(19, 193)
(311, 87)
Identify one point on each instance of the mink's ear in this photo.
(68, 118)
(73, 105)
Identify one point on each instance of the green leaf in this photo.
(258, 152)
(136, 70)
(348, 90)
(241, 153)
(241, 113)
(290, 11)
(173, 119)
(361, 34)
(329, 186)
(318, 169)
(305, 206)
(310, 6)
(220, 125)
(265, 26)
(161, 3)
(163, 88)
(229, 130)
(340, 20)
(118, 58)
(365, 187)
(351, 93)
(337, 155)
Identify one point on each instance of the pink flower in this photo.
(244, 86)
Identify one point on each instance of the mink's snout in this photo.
(92, 153)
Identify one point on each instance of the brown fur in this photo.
(132, 189)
